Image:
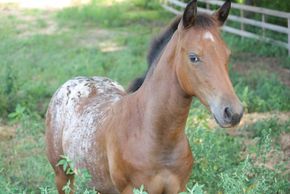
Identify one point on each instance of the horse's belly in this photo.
(78, 110)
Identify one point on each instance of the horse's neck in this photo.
(166, 106)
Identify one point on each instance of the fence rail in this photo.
(176, 7)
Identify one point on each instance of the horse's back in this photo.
(74, 118)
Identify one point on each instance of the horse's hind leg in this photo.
(54, 151)
(61, 180)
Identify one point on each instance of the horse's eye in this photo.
(193, 58)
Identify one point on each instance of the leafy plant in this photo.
(19, 113)
(196, 189)
(66, 188)
(82, 177)
(140, 190)
(67, 165)
(45, 190)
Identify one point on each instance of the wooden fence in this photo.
(244, 21)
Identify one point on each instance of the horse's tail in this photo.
(157, 45)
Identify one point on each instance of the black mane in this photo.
(159, 43)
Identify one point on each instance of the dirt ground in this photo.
(7, 132)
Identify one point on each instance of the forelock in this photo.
(204, 21)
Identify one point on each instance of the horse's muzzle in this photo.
(228, 116)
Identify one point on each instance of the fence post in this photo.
(242, 26)
(289, 35)
(242, 16)
(207, 6)
(263, 20)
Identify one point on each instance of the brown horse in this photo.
(128, 140)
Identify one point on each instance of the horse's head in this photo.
(202, 63)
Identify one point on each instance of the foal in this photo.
(128, 140)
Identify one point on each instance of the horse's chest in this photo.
(152, 166)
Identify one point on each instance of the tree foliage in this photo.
(277, 5)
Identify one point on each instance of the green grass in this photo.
(257, 47)
(111, 40)
(261, 91)
(127, 14)
(226, 164)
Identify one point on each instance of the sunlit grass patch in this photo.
(116, 14)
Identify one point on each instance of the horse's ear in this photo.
(189, 14)
(222, 14)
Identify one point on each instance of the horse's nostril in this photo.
(232, 117)
(236, 119)
(228, 114)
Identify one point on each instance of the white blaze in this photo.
(208, 36)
